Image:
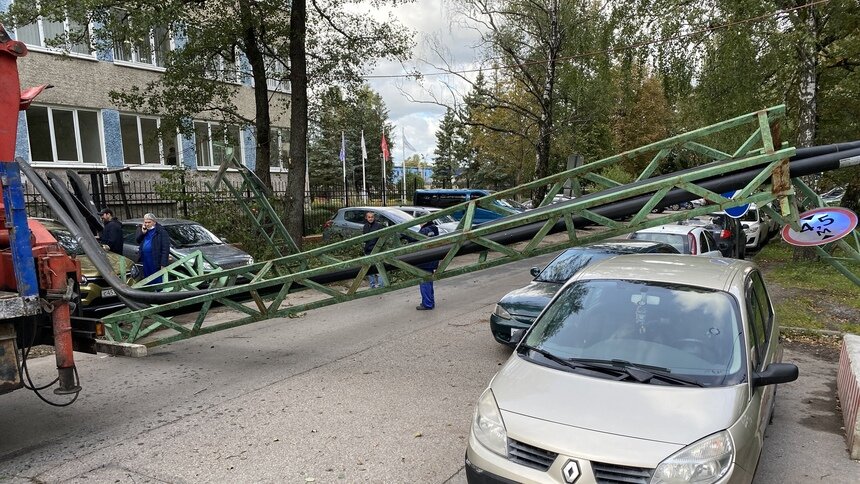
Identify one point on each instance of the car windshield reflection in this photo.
(695, 333)
(191, 235)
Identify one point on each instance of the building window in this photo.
(151, 51)
(279, 147)
(225, 68)
(216, 143)
(64, 135)
(143, 142)
(276, 73)
(66, 34)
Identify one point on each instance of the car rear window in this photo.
(191, 235)
(693, 332)
(569, 263)
(678, 241)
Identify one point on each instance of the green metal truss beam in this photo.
(273, 284)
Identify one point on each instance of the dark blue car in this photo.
(516, 311)
(444, 198)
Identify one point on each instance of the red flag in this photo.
(385, 154)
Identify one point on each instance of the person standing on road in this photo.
(371, 225)
(154, 246)
(112, 233)
(428, 299)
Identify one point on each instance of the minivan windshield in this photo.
(690, 332)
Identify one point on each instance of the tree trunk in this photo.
(807, 52)
(545, 125)
(263, 120)
(298, 122)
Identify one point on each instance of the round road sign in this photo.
(821, 226)
(736, 212)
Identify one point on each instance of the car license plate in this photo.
(108, 293)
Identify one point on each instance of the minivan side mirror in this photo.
(535, 271)
(745, 226)
(775, 373)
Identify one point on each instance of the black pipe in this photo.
(93, 221)
(615, 210)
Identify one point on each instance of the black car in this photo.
(727, 231)
(186, 237)
(517, 310)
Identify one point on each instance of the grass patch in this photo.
(810, 294)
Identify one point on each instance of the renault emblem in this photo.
(570, 471)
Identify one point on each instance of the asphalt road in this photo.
(370, 390)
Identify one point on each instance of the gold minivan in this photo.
(642, 369)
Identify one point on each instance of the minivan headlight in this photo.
(705, 461)
(487, 424)
(501, 312)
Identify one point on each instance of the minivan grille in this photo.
(613, 474)
(530, 456)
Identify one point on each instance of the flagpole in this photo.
(363, 174)
(343, 162)
(384, 177)
(403, 164)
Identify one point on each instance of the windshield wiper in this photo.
(641, 372)
(577, 365)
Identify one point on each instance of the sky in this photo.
(434, 25)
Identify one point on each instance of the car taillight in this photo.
(726, 234)
(692, 243)
(328, 224)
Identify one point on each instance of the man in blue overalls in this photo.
(428, 300)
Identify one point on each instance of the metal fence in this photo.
(142, 197)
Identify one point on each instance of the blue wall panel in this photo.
(22, 142)
(250, 148)
(189, 153)
(113, 138)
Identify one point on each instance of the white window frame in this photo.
(211, 147)
(42, 47)
(162, 157)
(280, 168)
(219, 74)
(135, 56)
(67, 163)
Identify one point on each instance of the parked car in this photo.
(759, 228)
(833, 197)
(444, 198)
(641, 369)
(186, 237)
(528, 205)
(727, 231)
(688, 239)
(97, 296)
(349, 222)
(516, 311)
(445, 223)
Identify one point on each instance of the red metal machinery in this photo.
(37, 278)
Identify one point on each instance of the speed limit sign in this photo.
(821, 226)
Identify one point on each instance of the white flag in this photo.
(407, 144)
(363, 148)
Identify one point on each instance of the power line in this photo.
(636, 45)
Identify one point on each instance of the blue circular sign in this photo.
(740, 210)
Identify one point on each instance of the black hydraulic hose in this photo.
(94, 251)
(87, 205)
(93, 221)
(824, 149)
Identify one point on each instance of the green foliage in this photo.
(217, 212)
(809, 294)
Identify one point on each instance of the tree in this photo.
(446, 162)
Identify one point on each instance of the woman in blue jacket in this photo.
(154, 246)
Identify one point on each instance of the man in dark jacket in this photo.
(371, 225)
(112, 233)
(428, 299)
(154, 246)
